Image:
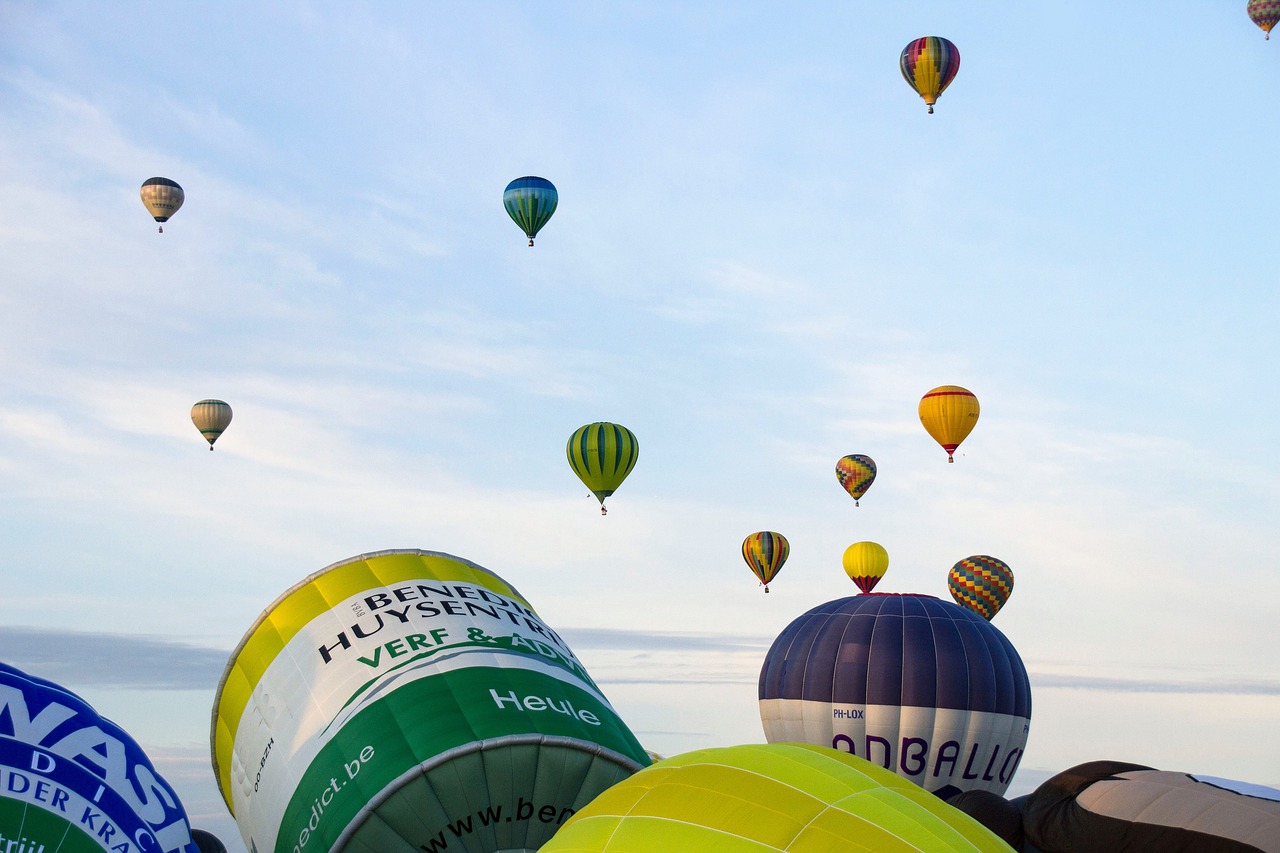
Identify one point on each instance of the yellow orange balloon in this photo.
(949, 414)
(865, 563)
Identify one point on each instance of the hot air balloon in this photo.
(530, 201)
(162, 198)
(981, 583)
(1117, 805)
(73, 781)
(923, 687)
(856, 473)
(211, 417)
(1264, 13)
(410, 700)
(929, 64)
(765, 552)
(757, 798)
(602, 455)
(949, 414)
(865, 563)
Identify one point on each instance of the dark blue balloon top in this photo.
(891, 649)
(530, 182)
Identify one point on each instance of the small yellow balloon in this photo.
(865, 563)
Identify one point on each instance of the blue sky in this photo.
(765, 253)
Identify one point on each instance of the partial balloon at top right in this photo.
(949, 414)
(929, 64)
(1264, 13)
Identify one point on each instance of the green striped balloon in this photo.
(530, 201)
(602, 455)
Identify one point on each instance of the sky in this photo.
(765, 253)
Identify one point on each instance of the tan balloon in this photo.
(162, 198)
(211, 417)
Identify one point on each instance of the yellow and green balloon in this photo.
(602, 454)
(758, 798)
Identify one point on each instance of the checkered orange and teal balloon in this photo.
(981, 583)
(765, 552)
(856, 473)
(929, 64)
(1264, 13)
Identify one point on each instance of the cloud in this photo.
(133, 661)
(1217, 687)
(618, 638)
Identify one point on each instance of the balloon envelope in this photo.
(920, 686)
(162, 198)
(1115, 805)
(602, 455)
(211, 417)
(757, 798)
(1264, 13)
(530, 201)
(949, 413)
(72, 781)
(981, 583)
(929, 64)
(409, 700)
(765, 552)
(865, 563)
(856, 473)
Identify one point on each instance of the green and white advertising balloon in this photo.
(410, 701)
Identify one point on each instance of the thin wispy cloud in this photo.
(111, 660)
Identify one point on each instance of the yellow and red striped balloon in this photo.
(765, 552)
(929, 64)
(981, 583)
(949, 413)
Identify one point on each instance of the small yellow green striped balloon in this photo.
(602, 455)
